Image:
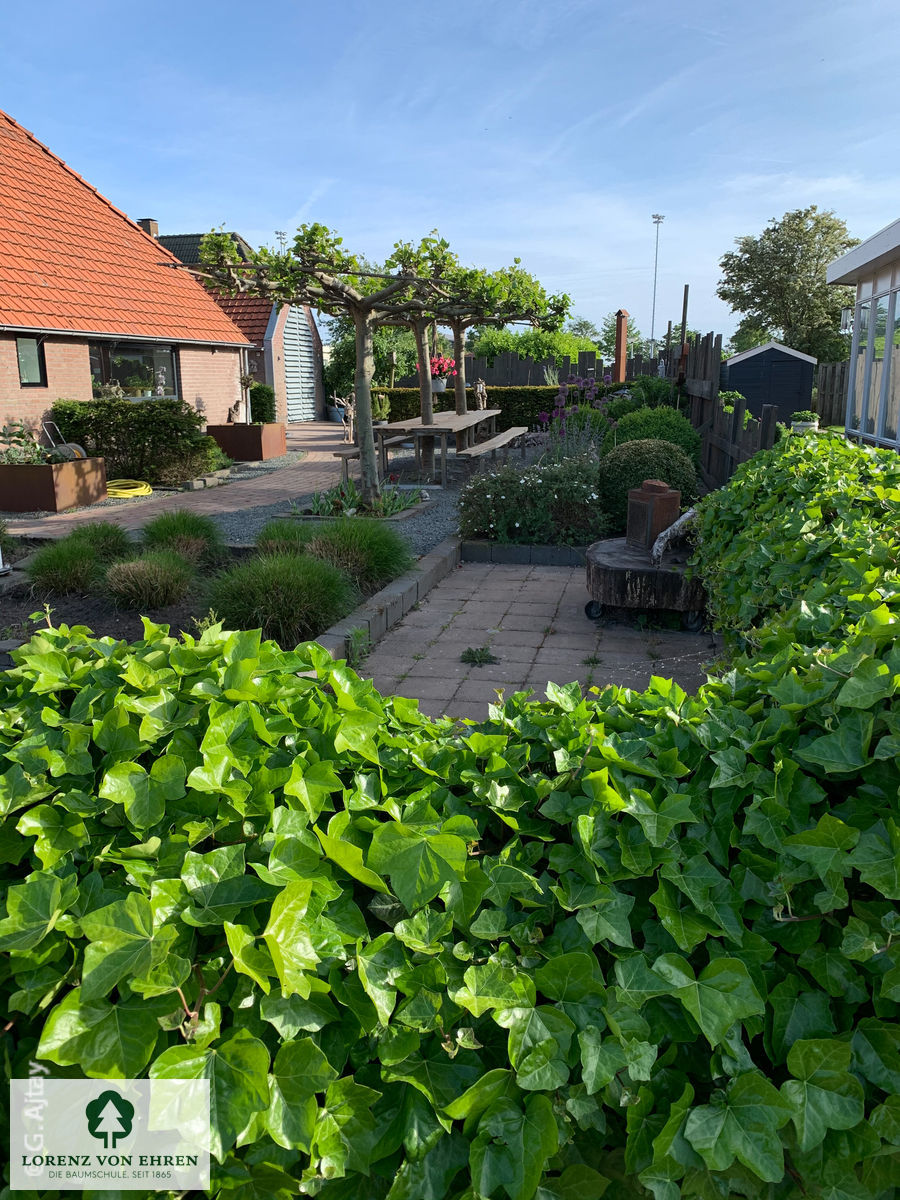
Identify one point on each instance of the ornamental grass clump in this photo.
(371, 553)
(193, 536)
(282, 537)
(290, 597)
(547, 504)
(156, 579)
(76, 562)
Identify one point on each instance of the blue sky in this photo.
(545, 130)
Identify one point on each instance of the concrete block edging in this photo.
(383, 610)
(538, 556)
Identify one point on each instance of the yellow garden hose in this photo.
(128, 488)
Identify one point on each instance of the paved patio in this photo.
(532, 619)
(318, 471)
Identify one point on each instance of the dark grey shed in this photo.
(771, 374)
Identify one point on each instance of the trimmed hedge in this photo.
(518, 405)
(262, 404)
(146, 439)
(663, 424)
(630, 464)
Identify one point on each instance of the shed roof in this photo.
(73, 263)
(736, 358)
(882, 247)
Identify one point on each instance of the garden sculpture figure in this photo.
(480, 395)
(347, 405)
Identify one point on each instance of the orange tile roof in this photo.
(71, 262)
(250, 313)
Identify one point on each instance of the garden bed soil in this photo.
(18, 600)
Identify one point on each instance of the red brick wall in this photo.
(68, 377)
(210, 380)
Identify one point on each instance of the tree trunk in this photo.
(459, 353)
(420, 328)
(365, 370)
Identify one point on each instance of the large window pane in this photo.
(878, 332)
(892, 408)
(30, 353)
(139, 369)
(859, 367)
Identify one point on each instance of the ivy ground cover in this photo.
(634, 945)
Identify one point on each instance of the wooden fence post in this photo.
(621, 346)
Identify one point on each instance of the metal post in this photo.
(658, 219)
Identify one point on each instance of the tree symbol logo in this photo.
(109, 1117)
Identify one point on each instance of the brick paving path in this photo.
(318, 471)
(532, 619)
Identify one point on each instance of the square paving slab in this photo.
(530, 621)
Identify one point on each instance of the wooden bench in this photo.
(346, 453)
(492, 445)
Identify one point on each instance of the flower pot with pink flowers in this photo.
(442, 369)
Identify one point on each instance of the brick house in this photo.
(287, 349)
(87, 297)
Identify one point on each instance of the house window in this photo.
(32, 367)
(874, 406)
(140, 369)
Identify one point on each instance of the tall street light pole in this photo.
(658, 219)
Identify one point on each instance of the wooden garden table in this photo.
(462, 426)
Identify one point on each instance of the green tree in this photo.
(777, 280)
(748, 334)
(341, 368)
(536, 343)
(583, 328)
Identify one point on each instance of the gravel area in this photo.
(423, 531)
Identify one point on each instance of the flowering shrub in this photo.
(578, 423)
(441, 367)
(547, 504)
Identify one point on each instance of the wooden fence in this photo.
(727, 439)
(831, 392)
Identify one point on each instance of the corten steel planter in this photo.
(250, 443)
(52, 487)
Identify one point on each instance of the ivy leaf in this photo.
(826, 848)
(34, 907)
(57, 832)
(345, 1129)
(418, 864)
(741, 1123)
(128, 784)
(237, 1070)
(493, 986)
(289, 938)
(876, 1053)
(106, 1041)
(823, 1094)
(430, 1177)
(607, 918)
(877, 858)
(723, 993)
(300, 1071)
(122, 945)
(380, 964)
(481, 1095)
(568, 977)
(844, 751)
(249, 959)
(512, 1148)
(577, 1182)
(797, 1014)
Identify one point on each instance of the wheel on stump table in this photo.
(692, 621)
(593, 610)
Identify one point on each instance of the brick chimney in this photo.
(149, 226)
